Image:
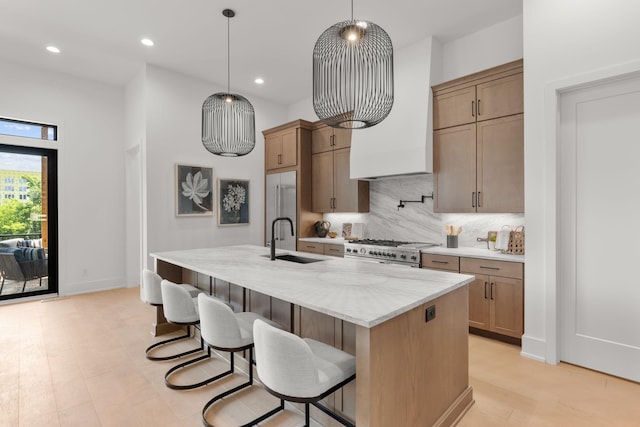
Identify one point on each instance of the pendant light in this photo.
(353, 74)
(228, 119)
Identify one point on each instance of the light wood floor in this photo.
(79, 361)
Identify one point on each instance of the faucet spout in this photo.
(273, 234)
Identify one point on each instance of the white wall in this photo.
(566, 42)
(90, 168)
(495, 45)
(135, 136)
(173, 105)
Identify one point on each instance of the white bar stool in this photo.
(181, 308)
(224, 330)
(152, 295)
(301, 370)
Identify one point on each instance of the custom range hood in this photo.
(402, 143)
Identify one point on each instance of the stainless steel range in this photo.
(386, 251)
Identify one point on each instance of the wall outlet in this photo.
(430, 313)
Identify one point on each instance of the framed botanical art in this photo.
(233, 202)
(194, 190)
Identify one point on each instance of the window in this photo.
(8, 180)
(8, 188)
(28, 129)
(8, 196)
(23, 189)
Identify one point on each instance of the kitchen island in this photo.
(409, 371)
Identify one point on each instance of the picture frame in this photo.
(194, 190)
(233, 202)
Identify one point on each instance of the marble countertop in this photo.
(360, 292)
(473, 253)
(328, 240)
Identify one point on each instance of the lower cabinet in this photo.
(496, 296)
(330, 249)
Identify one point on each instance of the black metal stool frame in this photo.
(224, 394)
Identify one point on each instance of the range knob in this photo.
(403, 256)
(393, 255)
(413, 257)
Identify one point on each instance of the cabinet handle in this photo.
(279, 159)
(479, 199)
(472, 112)
(473, 199)
(490, 268)
(439, 262)
(485, 290)
(492, 285)
(332, 141)
(478, 107)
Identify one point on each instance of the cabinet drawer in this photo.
(491, 267)
(441, 262)
(316, 248)
(334, 250)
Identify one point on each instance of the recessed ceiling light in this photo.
(259, 81)
(53, 49)
(147, 42)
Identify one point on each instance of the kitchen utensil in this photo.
(452, 241)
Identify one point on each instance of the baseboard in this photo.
(87, 287)
(533, 348)
(456, 411)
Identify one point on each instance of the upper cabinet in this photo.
(326, 138)
(478, 142)
(487, 95)
(333, 190)
(281, 148)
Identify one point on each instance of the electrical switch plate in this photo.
(430, 313)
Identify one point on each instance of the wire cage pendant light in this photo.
(353, 74)
(228, 119)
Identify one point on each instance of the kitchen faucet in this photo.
(273, 234)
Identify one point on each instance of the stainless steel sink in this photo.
(296, 258)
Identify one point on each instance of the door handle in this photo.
(332, 141)
(478, 107)
(485, 290)
(479, 199)
(472, 112)
(492, 285)
(473, 199)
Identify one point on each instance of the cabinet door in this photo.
(440, 262)
(272, 148)
(341, 138)
(322, 182)
(321, 140)
(454, 108)
(282, 313)
(479, 302)
(289, 153)
(507, 301)
(259, 303)
(500, 180)
(345, 189)
(501, 97)
(334, 250)
(314, 248)
(454, 169)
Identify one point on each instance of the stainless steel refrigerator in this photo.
(281, 200)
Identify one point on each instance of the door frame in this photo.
(553, 92)
(52, 213)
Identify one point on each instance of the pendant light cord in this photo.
(352, 10)
(229, 54)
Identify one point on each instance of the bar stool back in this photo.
(301, 370)
(152, 295)
(224, 330)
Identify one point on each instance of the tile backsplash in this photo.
(416, 221)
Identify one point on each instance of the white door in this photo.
(599, 227)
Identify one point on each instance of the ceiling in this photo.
(273, 39)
